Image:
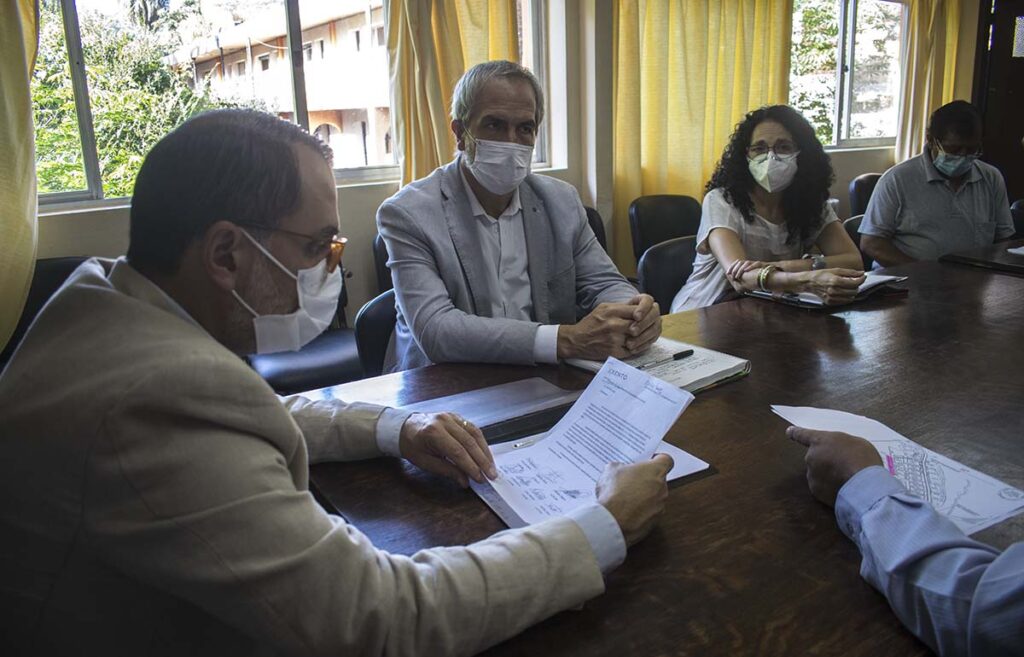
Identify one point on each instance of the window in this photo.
(532, 30)
(112, 80)
(1018, 37)
(60, 160)
(845, 74)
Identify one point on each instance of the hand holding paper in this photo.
(620, 418)
(635, 494)
(832, 459)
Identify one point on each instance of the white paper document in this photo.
(701, 370)
(683, 462)
(622, 416)
(971, 499)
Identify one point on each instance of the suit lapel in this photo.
(462, 228)
(539, 240)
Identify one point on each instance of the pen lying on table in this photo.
(674, 357)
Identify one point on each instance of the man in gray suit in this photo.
(154, 495)
(493, 264)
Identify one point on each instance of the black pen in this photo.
(674, 357)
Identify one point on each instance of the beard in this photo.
(268, 292)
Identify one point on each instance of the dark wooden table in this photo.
(992, 257)
(745, 561)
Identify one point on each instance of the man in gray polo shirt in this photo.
(942, 201)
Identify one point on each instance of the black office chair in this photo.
(852, 226)
(374, 325)
(664, 268)
(861, 189)
(329, 359)
(660, 217)
(380, 264)
(48, 277)
(597, 225)
(1017, 210)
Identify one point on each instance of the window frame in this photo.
(843, 104)
(93, 192)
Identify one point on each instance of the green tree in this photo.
(813, 69)
(59, 165)
(136, 96)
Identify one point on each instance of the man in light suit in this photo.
(493, 264)
(154, 491)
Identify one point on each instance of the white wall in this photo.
(848, 164)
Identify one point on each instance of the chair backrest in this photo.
(374, 325)
(597, 225)
(664, 268)
(660, 217)
(1017, 210)
(852, 226)
(861, 188)
(49, 275)
(380, 264)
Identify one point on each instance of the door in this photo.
(999, 88)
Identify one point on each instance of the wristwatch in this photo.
(817, 261)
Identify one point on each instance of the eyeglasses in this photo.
(958, 152)
(335, 245)
(780, 148)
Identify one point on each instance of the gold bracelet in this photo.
(762, 278)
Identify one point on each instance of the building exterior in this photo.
(345, 65)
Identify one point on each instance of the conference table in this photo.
(744, 559)
(994, 256)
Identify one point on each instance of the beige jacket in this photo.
(154, 500)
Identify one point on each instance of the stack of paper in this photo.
(704, 369)
(622, 416)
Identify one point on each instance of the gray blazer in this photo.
(435, 257)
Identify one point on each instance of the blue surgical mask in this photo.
(953, 166)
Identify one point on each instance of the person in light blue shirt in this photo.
(942, 201)
(957, 595)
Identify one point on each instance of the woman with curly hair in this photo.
(765, 207)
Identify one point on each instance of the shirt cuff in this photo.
(860, 493)
(545, 344)
(389, 430)
(603, 534)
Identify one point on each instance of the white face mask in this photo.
(318, 303)
(500, 166)
(773, 172)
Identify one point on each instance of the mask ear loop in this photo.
(244, 304)
(267, 253)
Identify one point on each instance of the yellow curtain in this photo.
(19, 34)
(685, 72)
(431, 43)
(929, 69)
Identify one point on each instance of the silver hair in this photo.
(475, 79)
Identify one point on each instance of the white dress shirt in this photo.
(959, 596)
(503, 245)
